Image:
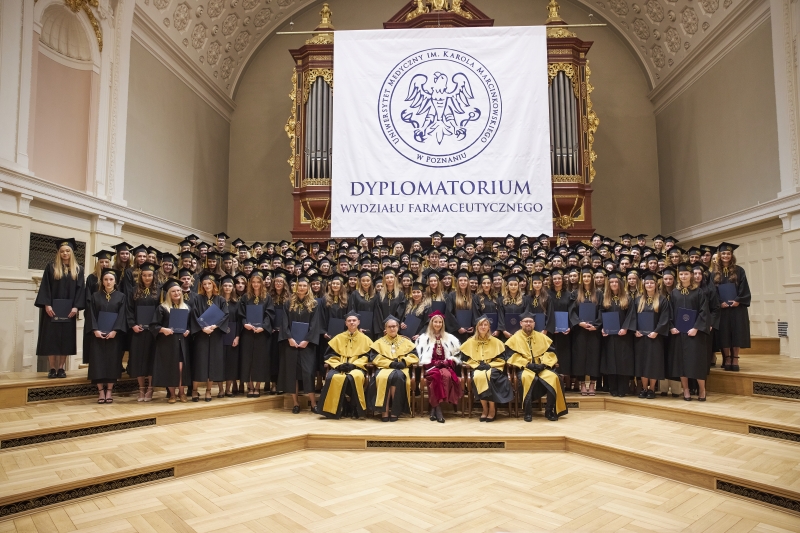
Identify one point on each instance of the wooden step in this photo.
(763, 345)
(711, 459)
(774, 376)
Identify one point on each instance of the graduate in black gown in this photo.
(460, 300)
(171, 368)
(104, 258)
(486, 302)
(141, 304)
(106, 348)
(347, 355)
(617, 361)
(279, 293)
(512, 301)
(254, 341)
(208, 355)
(63, 279)
(230, 343)
(363, 298)
(734, 320)
(390, 300)
(333, 304)
(586, 334)
(701, 276)
(689, 355)
(649, 345)
(419, 306)
(298, 356)
(561, 300)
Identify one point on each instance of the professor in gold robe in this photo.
(390, 389)
(347, 355)
(529, 351)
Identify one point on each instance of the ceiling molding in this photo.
(736, 27)
(150, 35)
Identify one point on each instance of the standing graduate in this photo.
(141, 304)
(390, 300)
(530, 352)
(485, 355)
(438, 356)
(701, 277)
(561, 301)
(107, 347)
(104, 258)
(131, 275)
(255, 350)
(734, 320)
(617, 361)
(649, 344)
(460, 300)
(280, 294)
(419, 306)
(514, 302)
(689, 355)
(347, 354)
(62, 279)
(230, 344)
(208, 353)
(390, 389)
(362, 298)
(486, 302)
(585, 333)
(298, 356)
(333, 304)
(171, 368)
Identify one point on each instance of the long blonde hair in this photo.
(298, 304)
(608, 295)
(510, 300)
(73, 268)
(166, 302)
(417, 309)
(395, 293)
(643, 300)
(429, 331)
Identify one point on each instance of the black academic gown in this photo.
(505, 309)
(171, 350)
(59, 338)
(451, 316)
(483, 305)
(230, 353)
(734, 322)
(142, 349)
(714, 308)
(385, 307)
(92, 286)
(357, 303)
(422, 313)
(562, 345)
(617, 350)
(649, 353)
(298, 364)
(586, 344)
(326, 313)
(254, 348)
(105, 355)
(208, 354)
(688, 355)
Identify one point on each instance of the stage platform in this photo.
(70, 463)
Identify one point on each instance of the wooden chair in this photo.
(423, 391)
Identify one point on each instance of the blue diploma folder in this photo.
(646, 322)
(562, 321)
(144, 315)
(492, 321)
(299, 331)
(178, 320)
(366, 320)
(210, 317)
(611, 322)
(511, 322)
(255, 316)
(412, 323)
(227, 340)
(438, 306)
(727, 292)
(464, 317)
(685, 319)
(106, 321)
(587, 312)
(540, 321)
(335, 326)
(61, 310)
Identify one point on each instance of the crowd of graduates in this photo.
(366, 321)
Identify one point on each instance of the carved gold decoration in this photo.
(325, 17)
(552, 13)
(569, 70)
(559, 32)
(311, 76)
(290, 127)
(321, 38)
(77, 5)
(558, 51)
(594, 122)
(322, 182)
(567, 178)
(458, 10)
(320, 58)
(566, 221)
(317, 223)
(421, 10)
(438, 5)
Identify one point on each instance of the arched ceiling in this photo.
(220, 36)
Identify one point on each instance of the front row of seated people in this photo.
(527, 353)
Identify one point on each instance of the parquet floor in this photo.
(760, 460)
(403, 491)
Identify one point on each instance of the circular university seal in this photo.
(440, 107)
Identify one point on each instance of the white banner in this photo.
(441, 129)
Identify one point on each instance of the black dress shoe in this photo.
(432, 417)
(393, 419)
(489, 419)
(315, 409)
(52, 374)
(552, 417)
(651, 395)
(483, 419)
(384, 419)
(440, 420)
(643, 394)
(61, 373)
(699, 399)
(689, 399)
(528, 418)
(295, 409)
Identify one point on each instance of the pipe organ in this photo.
(573, 122)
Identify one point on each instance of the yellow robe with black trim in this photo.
(483, 351)
(387, 351)
(349, 348)
(533, 348)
